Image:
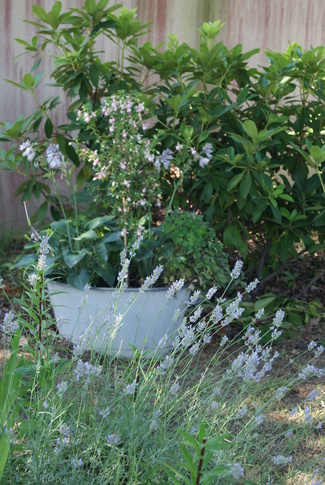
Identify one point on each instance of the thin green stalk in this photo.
(62, 209)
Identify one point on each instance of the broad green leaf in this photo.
(60, 227)
(40, 13)
(276, 213)
(264, 302)
(112, 237)
(250, 128)
(191, 465)
(88, 235)
(71, 258)
(204, 135)
(93, 75)
(102, 4)
(29, 80)
(106, 272)
(41, 212)
(26, 261)
(79, 281)
(90, 6)
(235, 181)
(207, 191)
(4, 452)
(100, 221)
(56, 9)
(245, 185)
(48, 128)
(101, 253)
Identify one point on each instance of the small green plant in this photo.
(192, 251)
(204, 450)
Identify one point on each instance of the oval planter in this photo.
(143, 318)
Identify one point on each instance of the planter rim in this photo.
(102, 288)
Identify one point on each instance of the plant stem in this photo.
(62, 209)
(200, 462)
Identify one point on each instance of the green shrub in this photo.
(265, 125)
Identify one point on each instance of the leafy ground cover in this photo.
(114, 414)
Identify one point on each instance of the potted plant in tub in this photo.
(132, 233)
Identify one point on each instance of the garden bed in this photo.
(299, 276)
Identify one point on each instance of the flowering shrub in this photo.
(126, 164)
(128, 178)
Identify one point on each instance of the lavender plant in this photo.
(103, 419)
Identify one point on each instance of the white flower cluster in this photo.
(28, 150)
(152, 279)
(203, 159)
(237, 270)
(176, 286)
(55, 157)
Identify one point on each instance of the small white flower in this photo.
(32, 279)
(28, 150)
(318, 351)
(249, 288)
(211, 292)
(259, 419)
(130, 388)
(280, 392)
(242, 411)
(104, 413)
(153, 425)
(203, 161)
(76, 463)
(113, 439)
(223, 341)
(308, 415)
(278, 319)
(176, 286)
(10, 325)
(311, 345)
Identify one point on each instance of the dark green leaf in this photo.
(48, 128)
(79, 281)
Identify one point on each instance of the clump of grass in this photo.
(89, 418)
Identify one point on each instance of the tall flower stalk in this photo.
(126, 164)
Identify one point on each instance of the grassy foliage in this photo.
(77, 416)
